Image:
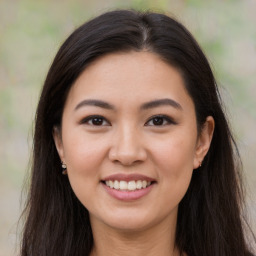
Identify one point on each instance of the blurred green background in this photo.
(32, 31)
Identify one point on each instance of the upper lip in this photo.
(127, 177)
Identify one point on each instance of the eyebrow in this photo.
(144, 106)
(161, 102)
(97, 103)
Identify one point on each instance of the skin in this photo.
(128, 140)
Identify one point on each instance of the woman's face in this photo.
(129, 140)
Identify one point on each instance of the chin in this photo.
(134, 220)
(130, 225)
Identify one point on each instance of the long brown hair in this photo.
(209, 217)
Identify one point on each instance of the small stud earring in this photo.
(64, 168)
(200, 163)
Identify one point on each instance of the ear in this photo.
(56, 133)
(204, 141)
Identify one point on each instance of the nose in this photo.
(127, 147)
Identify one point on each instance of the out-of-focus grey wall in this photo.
(30, 34)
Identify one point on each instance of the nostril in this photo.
(127, 155)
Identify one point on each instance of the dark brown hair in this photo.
(209, 215)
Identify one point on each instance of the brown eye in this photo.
(95, 121)
(160, 120)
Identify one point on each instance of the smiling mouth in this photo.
(123, 185)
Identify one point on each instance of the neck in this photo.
(159, 240)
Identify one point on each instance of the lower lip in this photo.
(128, 195)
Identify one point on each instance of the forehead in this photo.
(129, 77)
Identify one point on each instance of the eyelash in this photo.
(90, 119)
(164, 120)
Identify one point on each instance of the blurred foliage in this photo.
(149, 4)
(31, 32)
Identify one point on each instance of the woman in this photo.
(130, 114)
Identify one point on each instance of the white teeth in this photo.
(130, 185)
(116, 184)
(111, 184)
(123, 185)
(139, 184)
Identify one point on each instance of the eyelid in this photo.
(165, 117)
(89, 118)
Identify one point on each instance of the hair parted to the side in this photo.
(209, 216)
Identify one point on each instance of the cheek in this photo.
(83, 158)
(174, 160)
(176, 167)
(83, 163)
(82, 153)
(175, 154)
